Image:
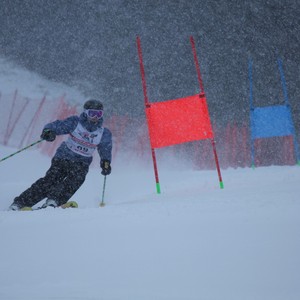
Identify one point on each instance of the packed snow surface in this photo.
(194, 241)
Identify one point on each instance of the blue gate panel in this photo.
(271, 121)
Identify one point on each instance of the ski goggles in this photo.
(94, 113)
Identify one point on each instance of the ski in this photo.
(69, 204)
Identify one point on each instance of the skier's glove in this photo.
(48, 135)
(105, 166)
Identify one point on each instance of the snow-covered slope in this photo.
(32, 85)
(192, 242)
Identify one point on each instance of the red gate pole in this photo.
(142, 69)
(213, 142)
(197, 65)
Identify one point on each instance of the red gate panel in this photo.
(178, 121)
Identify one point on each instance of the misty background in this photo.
(91, 45)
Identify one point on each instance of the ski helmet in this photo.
(93, 110)
(93, 104)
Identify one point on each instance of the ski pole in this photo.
(21, 150)
(103, 190)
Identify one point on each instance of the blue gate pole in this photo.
(251, 112)
(286, 100)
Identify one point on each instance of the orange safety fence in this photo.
(21, 124)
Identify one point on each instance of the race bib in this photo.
(84, 142)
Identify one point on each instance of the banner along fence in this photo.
(22, 120)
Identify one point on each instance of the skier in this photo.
(71, 162)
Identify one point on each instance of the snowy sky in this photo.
(91, 45)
